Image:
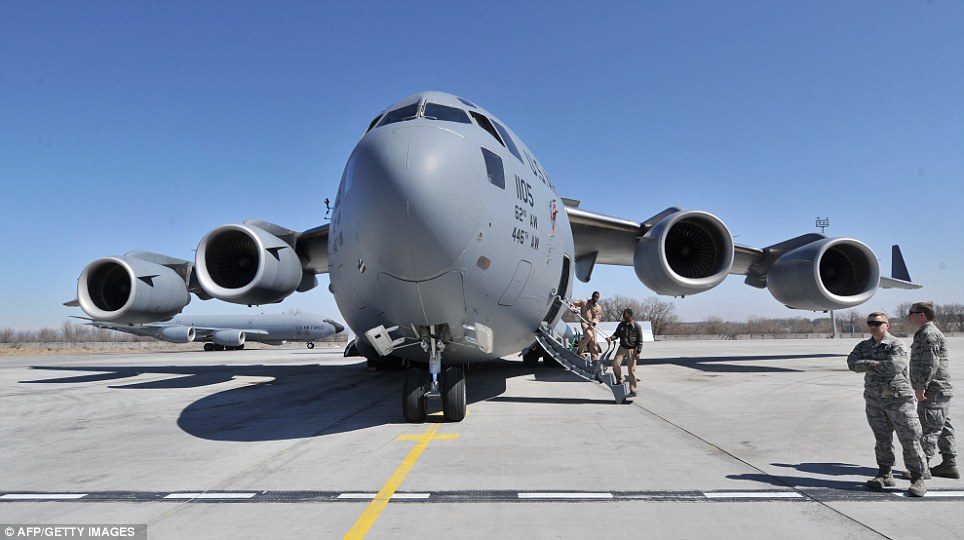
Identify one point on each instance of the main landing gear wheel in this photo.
(310, 344)
(530, 358)
(453, 394)
(413, 394)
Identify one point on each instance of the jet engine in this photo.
(245, 264)
(229, 338)
(178, 334)
(130, 290)
(685, 253)
(834, 273)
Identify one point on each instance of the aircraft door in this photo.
(561, 291)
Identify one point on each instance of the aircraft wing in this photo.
(182, 333)
(145, 330)
(891, 283)
(604, 239)
(312, 247)
(679, 252)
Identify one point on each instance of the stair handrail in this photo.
(575, 312)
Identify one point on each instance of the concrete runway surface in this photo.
(727, 439)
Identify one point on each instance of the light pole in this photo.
(822, 224)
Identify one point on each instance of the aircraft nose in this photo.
(411, 194)
(338, 328)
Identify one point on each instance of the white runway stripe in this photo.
(41, 496)
(932, 494)
(752, 495)
(394, 496)
(210, 495)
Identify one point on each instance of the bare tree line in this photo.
(661, 313)
(68, 332)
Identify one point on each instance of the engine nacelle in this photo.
(130, 290)
(178, 334)
(244, 264)
(229, 338)
(834, 273)
(684, 253)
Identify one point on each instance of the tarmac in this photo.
(726, 439)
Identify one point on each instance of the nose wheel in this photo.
(421, 384)
(453, 394)
(415, 394)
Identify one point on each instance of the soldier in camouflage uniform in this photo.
(931, 377)
(889, 401)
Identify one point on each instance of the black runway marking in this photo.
(468, 497)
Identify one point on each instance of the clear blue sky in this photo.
(143, 125)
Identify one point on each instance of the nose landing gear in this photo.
(421, 384)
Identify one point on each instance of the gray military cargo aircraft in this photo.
(449, 244)
(220, 332)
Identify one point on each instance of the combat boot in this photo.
(947, 468)
(917, 488)
(907, 474)
(883, 478)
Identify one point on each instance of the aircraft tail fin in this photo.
(900, 277)
(898, 268)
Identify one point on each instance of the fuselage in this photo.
(279, 327)
(444, 220)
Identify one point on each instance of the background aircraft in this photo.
(221, 332)
(449, 244)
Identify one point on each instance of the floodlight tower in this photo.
(822, 224)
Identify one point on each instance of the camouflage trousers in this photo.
(935, 420)
(886, 416)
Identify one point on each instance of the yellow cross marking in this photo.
(374, 509)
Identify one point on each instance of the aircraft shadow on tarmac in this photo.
(817, 479)
(310, 400)
(295, 401)
(731, 364)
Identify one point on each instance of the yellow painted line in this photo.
(420, 437)
(440, 413)
(375, 508)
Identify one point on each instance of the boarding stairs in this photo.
(554, 344)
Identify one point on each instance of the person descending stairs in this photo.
(555, 345)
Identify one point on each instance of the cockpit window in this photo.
(375, 121)
(509, 143)
(408, 112)
(469, 103)
(493, 168)
(486, 125)
(434, 111)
